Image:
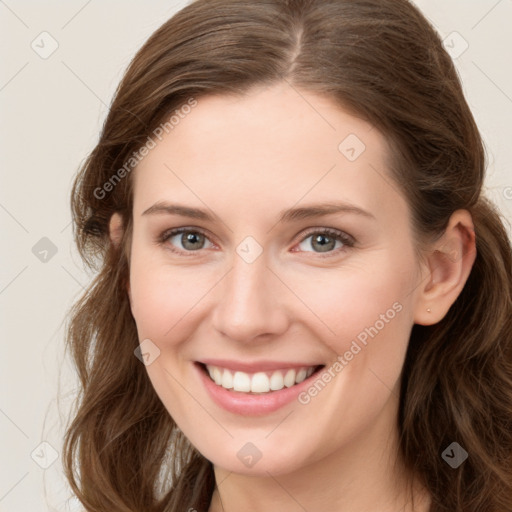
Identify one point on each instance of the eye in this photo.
(191, 240)
(325, 241)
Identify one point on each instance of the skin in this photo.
(246, 159)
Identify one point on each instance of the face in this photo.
(252, 281)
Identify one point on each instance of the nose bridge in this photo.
(249, 299)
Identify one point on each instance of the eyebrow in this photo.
(289, 215)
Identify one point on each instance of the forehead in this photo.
(274, 146)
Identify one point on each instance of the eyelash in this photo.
(347, 240)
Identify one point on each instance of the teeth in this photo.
(241, 381)
(301, 375)
(276, 381)
(289, 378)
(260, 382)
(217, 376)
(227, 380)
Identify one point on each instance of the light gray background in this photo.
(51, 113)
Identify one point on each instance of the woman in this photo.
(303, 299)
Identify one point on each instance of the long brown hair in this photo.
(382, 61)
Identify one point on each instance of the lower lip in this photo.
(252, 405)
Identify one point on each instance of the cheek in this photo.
(349, 303)
(355, 308)
(163, 295)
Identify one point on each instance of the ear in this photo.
(115, 229)
(449, 263)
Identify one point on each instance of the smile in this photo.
(258, 389)
(259, 382)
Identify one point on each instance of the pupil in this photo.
(324, 245)
(190, 238)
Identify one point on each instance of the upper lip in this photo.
(256, 366)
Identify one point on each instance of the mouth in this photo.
(259, 382)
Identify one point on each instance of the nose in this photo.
(251, 302)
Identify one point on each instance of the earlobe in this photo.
(449, 265)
